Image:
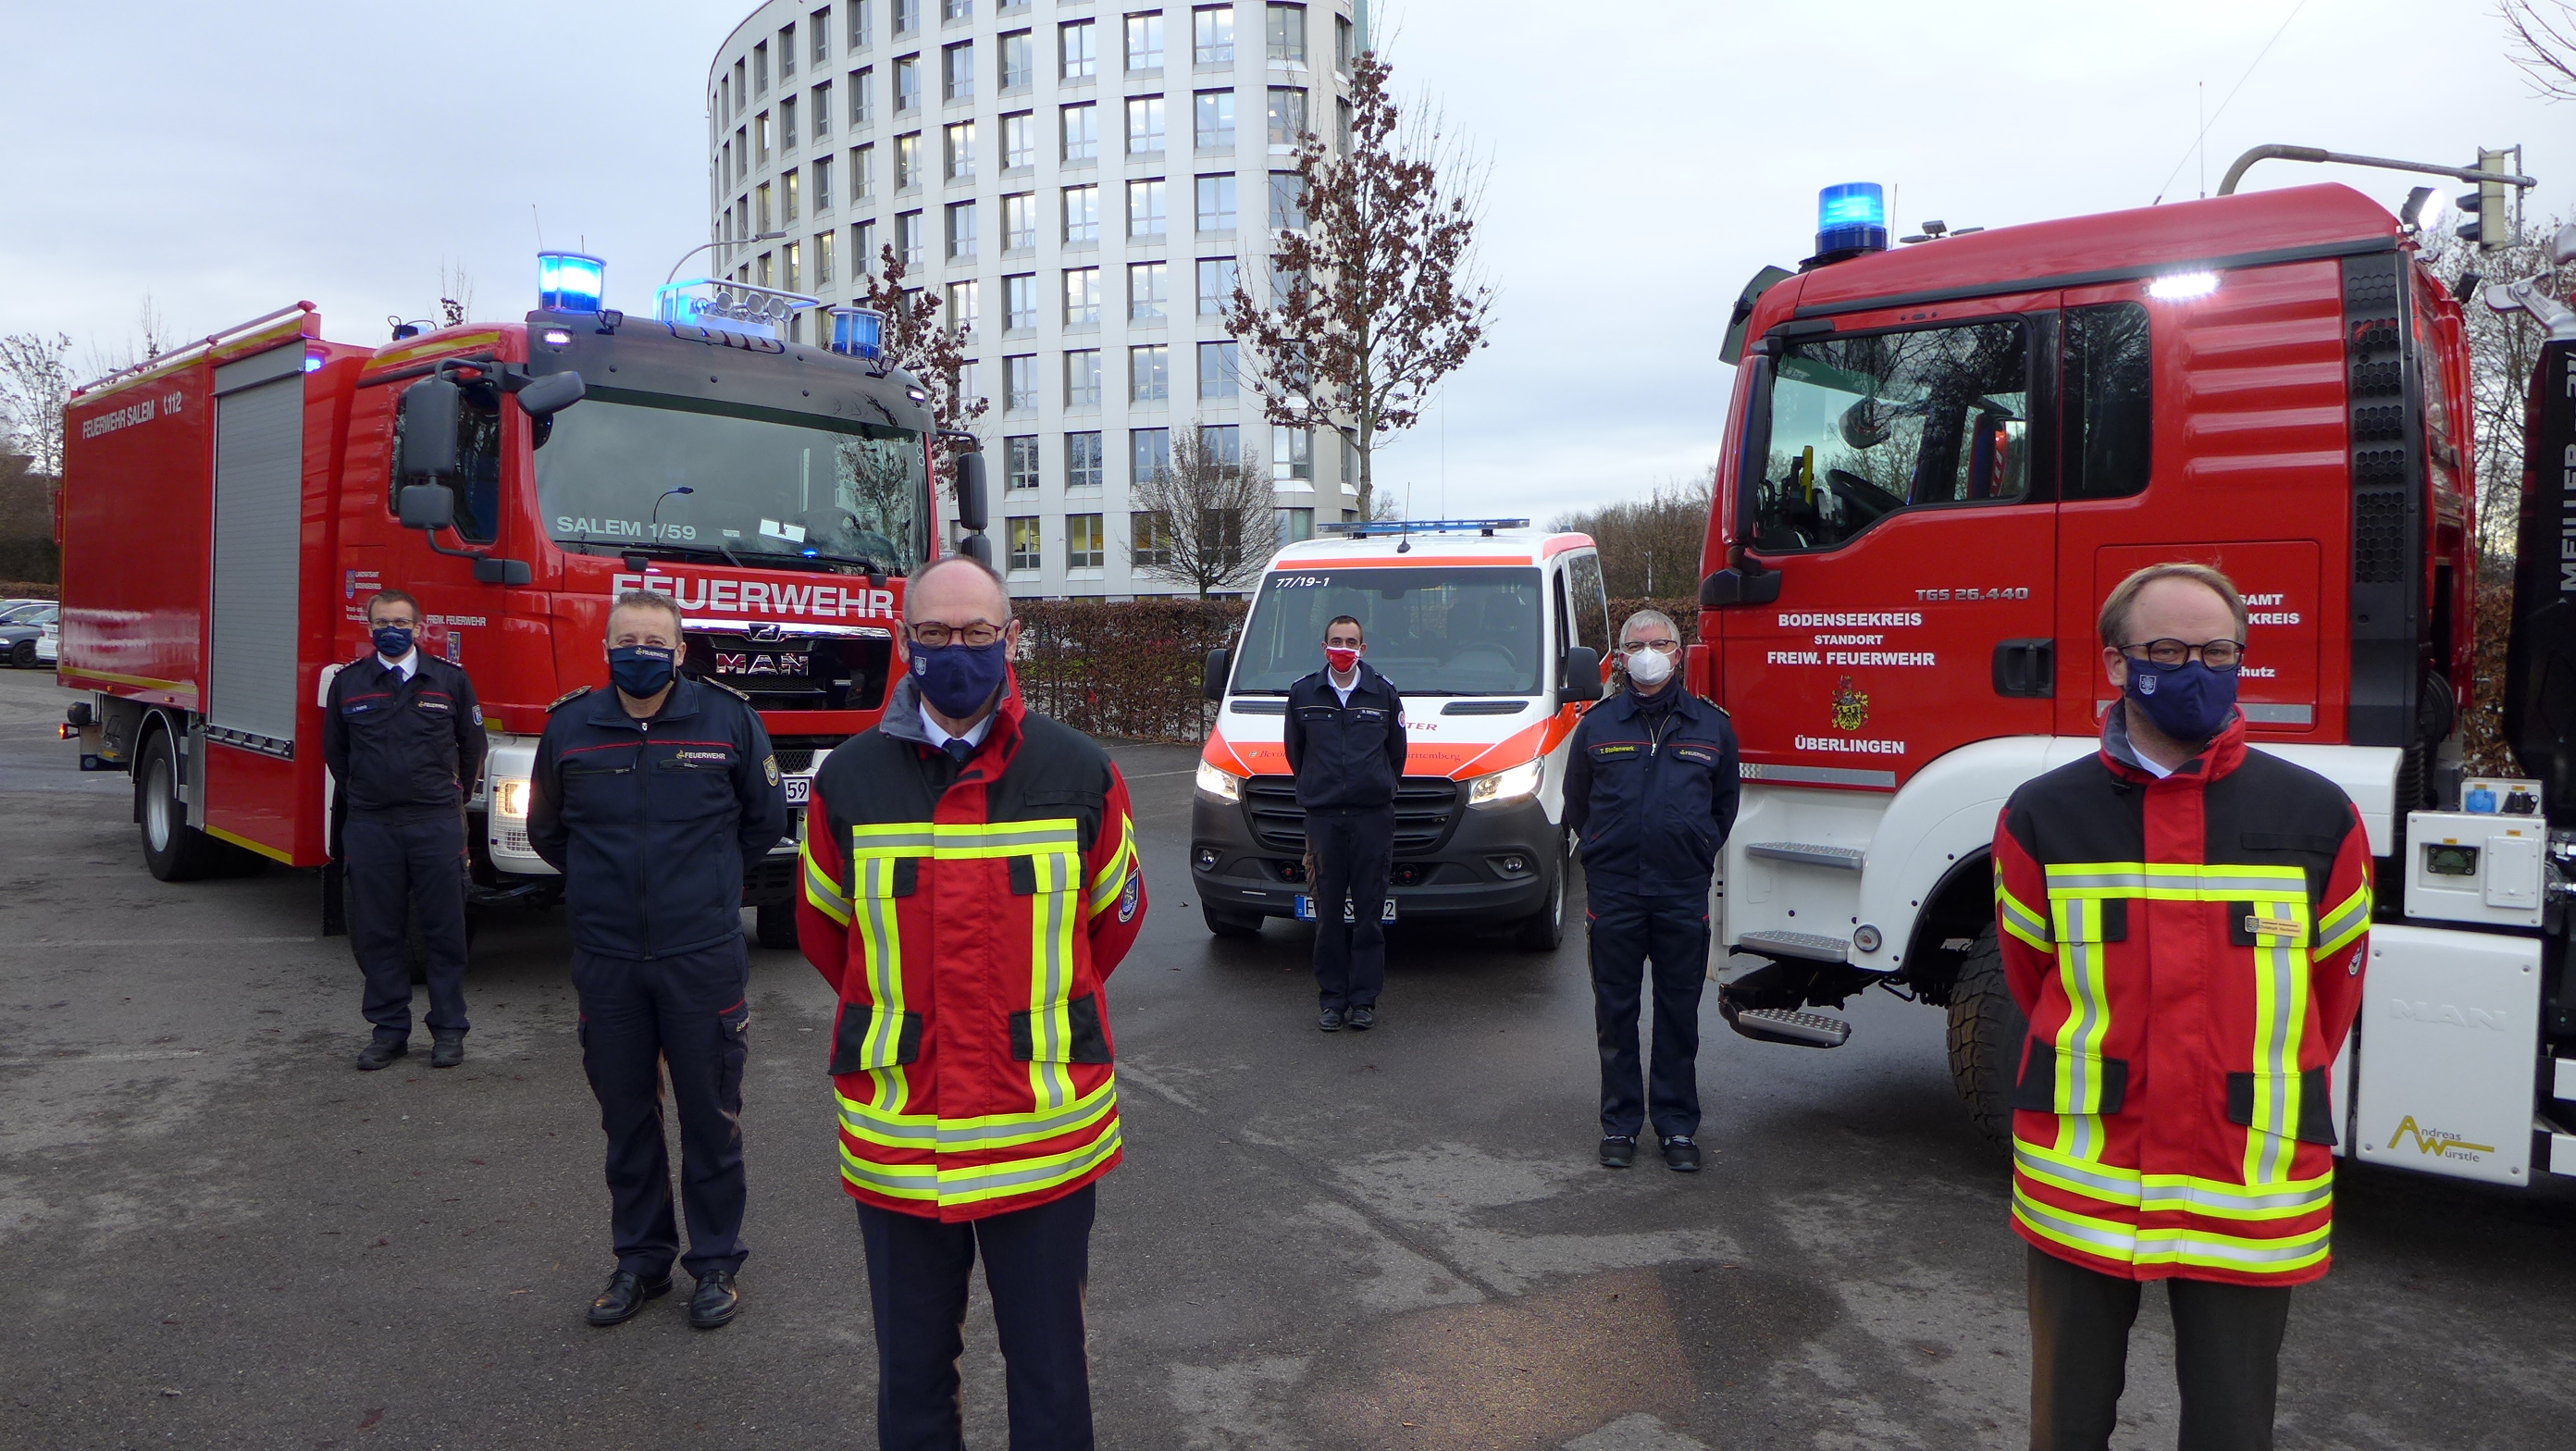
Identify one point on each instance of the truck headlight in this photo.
(1217, 782)
(1520, 783)
(510, 799)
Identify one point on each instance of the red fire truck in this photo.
(1938, 460)
(228, 509)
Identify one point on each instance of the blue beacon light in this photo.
(1851, 217)
(858, 332)
(570, 282)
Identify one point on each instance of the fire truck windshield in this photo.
(755, 485)
(1471, 630)
(1864, 426)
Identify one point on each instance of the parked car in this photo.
(49, 646)
(10, 609)
(20, 632)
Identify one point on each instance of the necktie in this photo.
(392, 679)
(958, 749)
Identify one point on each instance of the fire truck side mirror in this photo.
(426, 506)
(431, 409)
(551, 394)
(971, 513)
(1220, 661)
(1582, 676)
(1735, 587)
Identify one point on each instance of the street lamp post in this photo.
(720, 242)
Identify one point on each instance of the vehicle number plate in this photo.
(798, 788)
(1306, 909)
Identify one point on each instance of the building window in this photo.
(1287, 202)
(907, 16)
(1020, 390)
(1287, 115)
(1149, 373)
(1020, 222)
(967, 387)
(960, 150)
(766, 269)
(965, 308)
(819, 26)
(1019, 141)
(1215, 125)
(1216, 203)
(760, 129)
(760, 69)
(1296, 525)
(1145, 42)
(1082, 460)
(823, 257)
(1082, 542)
(760, 196)
(791, 185)
(957, 72)
(1343, 35)
(1081, 296)
(858, 10)
(863, 246)
(1295, 463)
(1081, 215)
(956, 9)
(961, 232)
(792, 256)
(724, 95)
(822, 182)
(1149, 454)
(1019, 61)
(863, 111)
(741, 92)
(1216, 285)
(1020, 303)
(724, 165)
(1222, 442)
(1218, 377)
(907, 84)
(907, 238)
(1212, 29)
(1076, 51)
(1082, 378)
(1081, 125)
(823, 110)
(907, 161)
(1287, 35)
(1145, 213)
(1149, 540)
(1144, 125)
(1023, 540)
(786, 51)
(863, 173)
(1020, 461)
(1146, 291)
(1342, 125)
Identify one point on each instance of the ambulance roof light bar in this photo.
(1383, 527)
(570, 282)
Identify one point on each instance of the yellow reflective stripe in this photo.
(2344, 923)
(966, 840)
(883, 942)
(2019, 920)
(868, 1122)
(2170, 881)
(2218, 1199)
(2280, 1016)
(1051, 922)
(2106, 1182)
(2175, 1245)
(1026, 1176)
(2078, 1085)
(895, 1181)
(820, 889)
(879, 1124)
(2107, 1238)
(1113, 877)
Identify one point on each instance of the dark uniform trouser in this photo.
(1624, 930)
(688, 1010)
(1037, 1264)
(397, 867)
(1354, 847)
(2227, 1354)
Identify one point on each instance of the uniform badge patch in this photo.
(769, 768)
(1134, 897)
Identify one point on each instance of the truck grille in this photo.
(1423, 807)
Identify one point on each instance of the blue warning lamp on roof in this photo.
(858, 332)
(1851, 218)
(569, 282)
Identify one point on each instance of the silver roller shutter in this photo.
(259, 489)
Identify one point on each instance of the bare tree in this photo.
(2504, 347)
(916, 342)
(35, 383)
(2543, 44)
(455, 294)
(1207, 516)
(1372, 297)
(1650, 547)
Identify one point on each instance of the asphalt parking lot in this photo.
(214, 1233)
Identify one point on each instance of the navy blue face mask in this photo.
(958, 679)
(2189, 702)
(393, 641)
(640, 670)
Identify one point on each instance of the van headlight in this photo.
(1520, 783)
(510, 799)
(1222, 784)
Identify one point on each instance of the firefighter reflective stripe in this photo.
(1106, 885)
(1027, 1176)
(2106, 1182)
(2280, 1017)
(966, 840)
(2019, 920)
(2169, 1245)
(882, 943)
(895, 1181)
(2078, 1089)
(1051, 924)
(2346, 922)
(2172, 881)
(820, 889)
(2171, 1193)
(868, 1122)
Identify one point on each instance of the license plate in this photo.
(798, 789)
(1306, 909)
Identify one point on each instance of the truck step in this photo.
(1838, 858)
(1805, 945)
(1779, 1025)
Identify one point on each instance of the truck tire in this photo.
(1544, 929)
(774, 925)
(172, 849)
(1987, 1030)
(1226, 924)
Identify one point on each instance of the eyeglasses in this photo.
(931, 635)
(2216, 654)
(1660, 647)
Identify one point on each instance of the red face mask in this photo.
(1343, 661)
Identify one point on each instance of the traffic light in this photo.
(2484, 218)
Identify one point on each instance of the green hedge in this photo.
(1131, 670)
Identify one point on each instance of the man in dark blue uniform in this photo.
(648, 797)
(1650, 792)
(404, 742)
(1345, 740)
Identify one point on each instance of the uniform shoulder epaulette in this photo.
(569, 696)
(727, 689)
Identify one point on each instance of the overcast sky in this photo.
(1646, 159)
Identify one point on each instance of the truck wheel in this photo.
(1987, 1030)
(774, 925)
(1544, 929)
(1226, 924)
(172, 849)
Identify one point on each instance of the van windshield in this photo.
(1472, 630)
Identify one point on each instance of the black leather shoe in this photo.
(1681, 1155)
(381, 1052)
(1362, 1019)
(716, 1302)
(1330, 1020)
(447, 1047)
(626, 1294)
(1618, 1151)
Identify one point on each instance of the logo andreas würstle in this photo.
(2434, 1143)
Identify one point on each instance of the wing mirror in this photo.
(552, 394)
(426, 506)
(971, 513)
(431, 409)
(1736, 587)
(1582, 682)
(1220, 663)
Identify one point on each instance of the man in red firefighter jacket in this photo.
(2184, 922)
(970, 880)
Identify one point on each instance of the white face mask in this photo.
(1650, 668)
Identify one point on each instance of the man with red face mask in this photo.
(1345, 743)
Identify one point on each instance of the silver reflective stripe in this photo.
(2116, 1244)
(2110, 1188)
(870, 1126)
(2343, 921)
(2252, 886)
(2179, 1197)
(2174, 1244)
(2276, 1063)
(2073, 1041)
(960, 1139)
(2084, 881)
(1005, 1178)
(885, 962)
(890, 1179)
(2025, 920)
